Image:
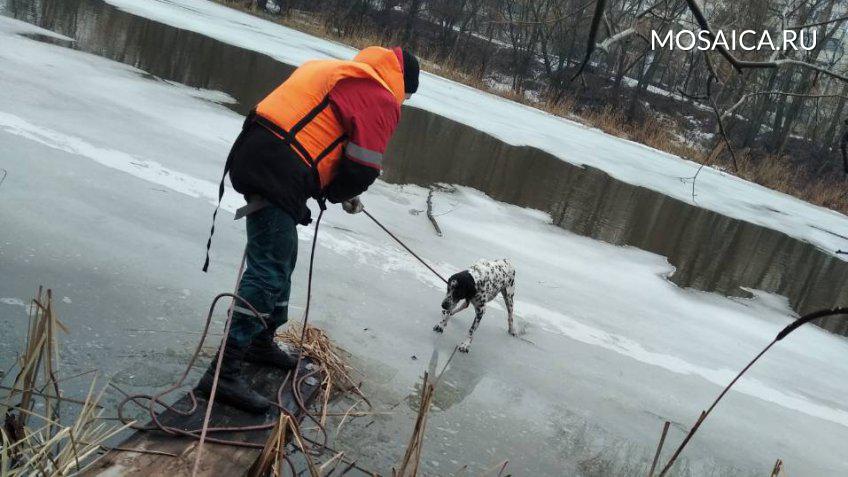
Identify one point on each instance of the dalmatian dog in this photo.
(477, 286)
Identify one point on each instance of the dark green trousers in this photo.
(266, 282)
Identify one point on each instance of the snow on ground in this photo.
(521, 125)
(111, 180)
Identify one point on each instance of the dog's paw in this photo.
(512, 332)
(439, 328)
(464, 347)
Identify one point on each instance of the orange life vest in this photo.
(298, 109)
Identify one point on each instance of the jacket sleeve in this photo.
(369, 115)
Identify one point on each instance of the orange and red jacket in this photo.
(334, 111)
(322, 133)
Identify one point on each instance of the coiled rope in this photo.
(297, 380)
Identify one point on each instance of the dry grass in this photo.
(33, 439)
(274, 458)
(339, 376)
(339, 380)
(776, 172)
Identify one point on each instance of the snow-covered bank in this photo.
(521, 125)
(111, 177)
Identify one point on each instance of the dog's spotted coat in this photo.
(479, 285)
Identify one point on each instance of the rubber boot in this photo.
(232, 388)
(264, 350)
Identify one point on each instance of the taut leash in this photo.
(404, 246)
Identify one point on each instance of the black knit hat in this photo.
(410, 72)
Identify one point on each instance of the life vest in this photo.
(298, 113)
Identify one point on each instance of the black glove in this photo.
(353, 206)
(305, 216)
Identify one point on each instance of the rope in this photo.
(203, 434)
(296, 389)
(404, 246)
(219, 361)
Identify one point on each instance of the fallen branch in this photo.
(430, 213)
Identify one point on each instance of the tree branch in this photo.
(591, 46)
(558, 19)
(604, 45)
(826, 22)
(746, 96)
(593, 34)
(739, 65)
(790, 61)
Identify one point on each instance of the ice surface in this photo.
(111, 177)
(521, 125)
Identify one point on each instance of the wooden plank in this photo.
(217, 459)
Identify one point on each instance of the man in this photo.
(320, 134)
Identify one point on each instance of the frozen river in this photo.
(111, 179)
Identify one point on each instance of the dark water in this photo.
(711, 252)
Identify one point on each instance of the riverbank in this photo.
(119, 226)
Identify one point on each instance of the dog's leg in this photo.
(478, 315)
(446, 314)
(461, 307)
(508, 295)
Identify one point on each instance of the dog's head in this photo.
(460, 287)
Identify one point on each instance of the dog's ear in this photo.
(453, 282)
(465, 285)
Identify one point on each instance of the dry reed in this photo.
(778, 467)
(272, 460)
(339, 376)
(37, 442)
(408, 466)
